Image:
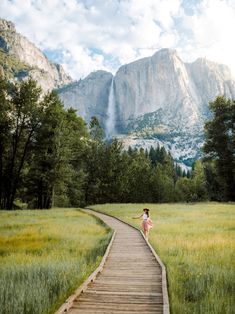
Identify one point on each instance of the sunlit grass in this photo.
(45, 256)
(197, 244)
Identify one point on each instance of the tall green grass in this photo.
(197, 244)
(45, 256)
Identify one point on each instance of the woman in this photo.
(147, 223)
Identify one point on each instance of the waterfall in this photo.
(111, 112)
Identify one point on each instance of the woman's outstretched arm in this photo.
(137, 217)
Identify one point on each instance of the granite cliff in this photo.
(89, 96)
(159, 100)
(19, 58)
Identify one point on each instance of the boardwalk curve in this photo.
(132, 280)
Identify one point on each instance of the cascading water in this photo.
(111, 112)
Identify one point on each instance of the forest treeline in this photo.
(50, 157)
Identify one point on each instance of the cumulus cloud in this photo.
(211, 28)
(87, 35)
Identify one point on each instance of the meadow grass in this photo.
(45, 255)
(196, 243)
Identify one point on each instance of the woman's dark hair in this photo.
(147, 211)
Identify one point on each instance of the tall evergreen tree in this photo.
(55, 171)
(5, 136)
(24, 109)
(220, 144)
(199, 184)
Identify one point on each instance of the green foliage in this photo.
(194, 188)
(54, 166)
(45, 256)
(138, 174)
(199, 184)
(105, 168)
(114, 175)
(220, 144)
(213, 185)
(41, 148)
(22, 108)
(162, 185)
(11, 66)
(96, 132)
(184, 189)
(196, 243)
(48, 157)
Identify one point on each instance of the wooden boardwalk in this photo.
(131, 280)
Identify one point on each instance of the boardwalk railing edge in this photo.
(166, 306)
(82, 288)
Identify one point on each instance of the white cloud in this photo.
(212, 30)
(102, 34)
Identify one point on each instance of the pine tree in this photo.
(96, 131)
(220, 144)
(199, 184)
(5, 135)
(184, 190)
(22, 113)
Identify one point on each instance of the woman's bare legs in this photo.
(146, 234)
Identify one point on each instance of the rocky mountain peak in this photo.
(98, 74)
(156, 100)
(7, 26)
(28, 59)
(165, 52)
(89, 96)
(220, 69)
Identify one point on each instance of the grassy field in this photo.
(197, 244)
(45, 255)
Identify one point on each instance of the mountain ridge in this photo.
(156, 100)
(34, 63)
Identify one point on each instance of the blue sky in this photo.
(87, 35)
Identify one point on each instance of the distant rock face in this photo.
(158, 99)
(7, 25)
(165, 82)
(89, 96)
(47, 74)
(152, 83)
(155, 100)
(210, 80)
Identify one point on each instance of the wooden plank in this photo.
(69, 302)
(166, 306)
(111, 311)
(132, 278)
